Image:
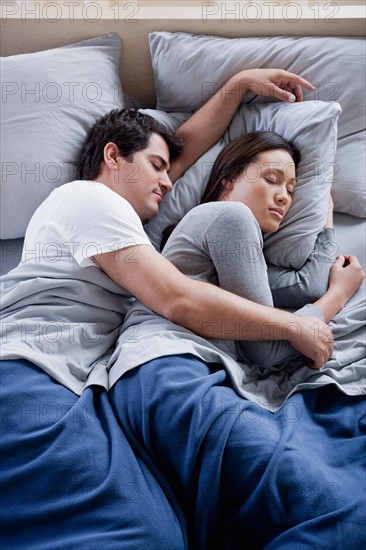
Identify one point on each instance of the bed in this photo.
(63, 66)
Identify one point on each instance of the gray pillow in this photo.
(335, 65)
(49, 101)
(10, 254)
(312, 126)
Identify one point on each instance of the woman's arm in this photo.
(294, 288)
(232, 239)
(345, 279)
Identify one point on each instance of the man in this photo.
(184, 301)
(61, 314)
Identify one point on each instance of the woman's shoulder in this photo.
(210, 217)
(225, 210)
(220, 206)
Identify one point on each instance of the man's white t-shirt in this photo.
(59, 310)
(82, 219)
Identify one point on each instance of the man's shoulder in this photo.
(90, 192)
(81, 186)
(82, 203)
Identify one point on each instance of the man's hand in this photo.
(276, 83)
(313, 339)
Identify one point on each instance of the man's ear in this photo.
(110, 155)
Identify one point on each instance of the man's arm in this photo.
(208, 310)
(205, 127)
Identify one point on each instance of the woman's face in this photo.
(266, 187)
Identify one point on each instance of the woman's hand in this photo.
(273, 82)
(345, 279)
(346, 276)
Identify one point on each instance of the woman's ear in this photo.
(228, 184)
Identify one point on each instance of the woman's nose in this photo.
(282, 196)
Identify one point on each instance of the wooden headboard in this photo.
(29, 26)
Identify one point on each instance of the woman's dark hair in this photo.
(241, 152)
(233, 160)
(130, 130)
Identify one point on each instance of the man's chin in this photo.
(151, 216)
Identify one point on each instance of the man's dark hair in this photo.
(130, 130)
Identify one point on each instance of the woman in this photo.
(220, 241)
(239, 472)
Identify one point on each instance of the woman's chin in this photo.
(270, 229)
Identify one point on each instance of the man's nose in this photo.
(165, 183)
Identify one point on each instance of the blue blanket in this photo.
(175, 459)
(247, 478)
(69, 479)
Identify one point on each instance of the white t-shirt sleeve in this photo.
(93, 220)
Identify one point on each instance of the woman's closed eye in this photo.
(290, 190)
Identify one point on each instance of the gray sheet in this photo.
(347, 367)
(63, 318)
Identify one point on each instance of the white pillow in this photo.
(312, 127)
(335, 65)
(50, 99)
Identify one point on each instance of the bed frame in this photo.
(29, 26)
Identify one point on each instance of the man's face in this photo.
(144, 181)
